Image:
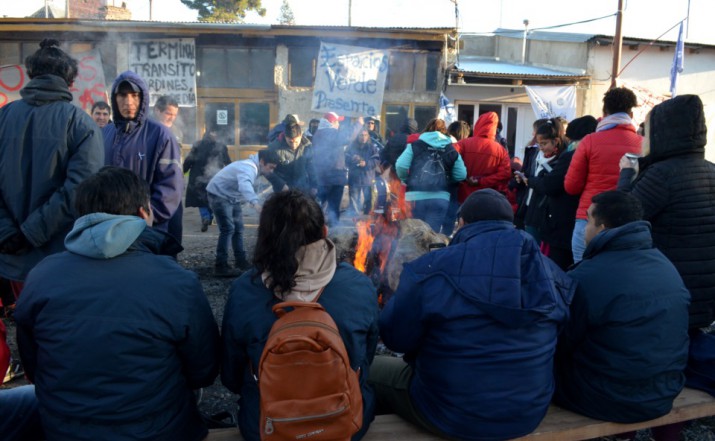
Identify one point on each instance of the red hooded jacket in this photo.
(594, 167)
(485, 159)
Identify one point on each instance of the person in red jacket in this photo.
(487, 162)
(594, 167)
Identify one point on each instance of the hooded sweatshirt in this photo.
(118, 312)
(147, 148)
(676, 187)
(435, 140)
(484, 158)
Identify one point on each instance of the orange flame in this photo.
(364, 244)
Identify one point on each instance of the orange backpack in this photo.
(308, 388)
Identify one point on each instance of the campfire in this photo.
(387, 238)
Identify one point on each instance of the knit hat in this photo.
(486, 204)
(292, 118)
(580, 127)
(332, 117)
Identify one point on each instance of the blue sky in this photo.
(643, 18)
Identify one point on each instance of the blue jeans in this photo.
(332, 195)
(431, 211)
(229, 219)
(578, 240)
(19, 418)
(361, 198)
(206, 214)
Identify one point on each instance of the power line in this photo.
(542, 28)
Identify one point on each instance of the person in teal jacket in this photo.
(430, 201)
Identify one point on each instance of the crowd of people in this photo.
(583, 274)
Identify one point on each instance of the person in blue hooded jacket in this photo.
(146, 147)
(430, 203)
(113, 332)
(477, 322)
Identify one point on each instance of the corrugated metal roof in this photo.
(488, 66)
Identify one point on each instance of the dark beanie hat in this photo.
(580, 127)
(486, 204)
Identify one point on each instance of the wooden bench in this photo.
(558, 425)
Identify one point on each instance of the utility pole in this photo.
(150, 10)
(617, 45)
(523, 43)
(350, 13)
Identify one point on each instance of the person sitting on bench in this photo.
(622, 355)
(478, 322)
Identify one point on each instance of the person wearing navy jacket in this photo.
(144, 146)
(477, 322)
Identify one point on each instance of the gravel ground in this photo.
(199, 257)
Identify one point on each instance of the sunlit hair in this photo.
(289, 220)
(552, 130)
(436, 125)
(52, 60)
(538, 123)
(619, 99)
(459, 130)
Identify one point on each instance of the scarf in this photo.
(611, 121)
(542, 163)
(317, 262)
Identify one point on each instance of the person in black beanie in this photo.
(578, 129)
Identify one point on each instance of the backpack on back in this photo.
(430, 169)
(308, 388)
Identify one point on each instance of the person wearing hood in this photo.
(428, 166)
(49, 146)
(373, 128)
(622, 354)
(113, 332)
(294, 261)
(676, 186)
(362, 158)
(139, 143)
(594, 166)
(227, 191)
(396, 145)
(477, 322)
(487, 162)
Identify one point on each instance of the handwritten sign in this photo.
(168, 66)
(89, 86)
(12, 79)
(350, 80)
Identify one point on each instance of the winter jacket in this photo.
(205, 159)
(126, 319)
(594, 167)
(528, 168)
(622, 355)
(362, 175)
(149, 149)
(296, 168)
(478, 322)
(454, 166)
(349, 298)
(676, 187)
(329, 145)
(396, 145)
(556, 209)
(484, 158)
(47, 147)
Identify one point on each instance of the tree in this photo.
(286, 16)
(225, 10)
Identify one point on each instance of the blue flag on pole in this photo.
(677, 63)
(446, 110)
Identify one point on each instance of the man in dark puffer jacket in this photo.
(676, 186)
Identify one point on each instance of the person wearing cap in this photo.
(329, 145)
(49, 146)
(295, 167)
(279, 128)
(621, 356)
(477, 322)
(138, 143)
(373, 128)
